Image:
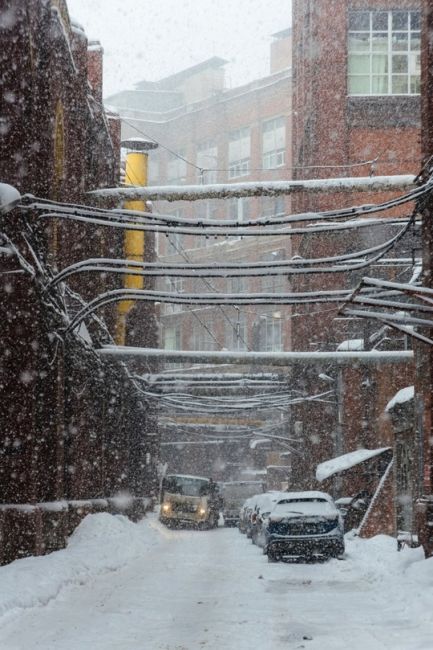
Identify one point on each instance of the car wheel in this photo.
(272, 558)
(212, 521)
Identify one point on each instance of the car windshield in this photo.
(186, 485)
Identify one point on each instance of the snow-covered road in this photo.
(124, 586)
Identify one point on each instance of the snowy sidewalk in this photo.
(128, 586)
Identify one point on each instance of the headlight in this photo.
(202, 511)
(166, 507)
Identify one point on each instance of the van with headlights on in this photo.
(189, 500)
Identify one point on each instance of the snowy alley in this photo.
(129, 586)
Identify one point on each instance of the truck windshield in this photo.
(186, 485)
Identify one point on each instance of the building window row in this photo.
(384, 52)
(267, 334)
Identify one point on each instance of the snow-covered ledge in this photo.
(257, 358)
(264, 188)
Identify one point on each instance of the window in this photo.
(273, 206)
(239, 152)
(271, 332)
(207, 159)
(176, 168)
(384, 53)
(172, 338)
(274, 143)
(174, 241)
(239, 209)
(173, 285)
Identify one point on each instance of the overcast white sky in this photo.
(149, 39)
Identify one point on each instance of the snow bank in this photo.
(377, 559)
(100, 544)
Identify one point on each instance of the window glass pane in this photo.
(400, 20)
(359, 20)
(359, 63)
(359, 42)
(380, 85)
(399, 85)
(415, 19)
(359, 85)
(399, 63)
(379, 20)
(415, 41)
(379, 42)
(379, 63)
(400, 41)
(415, 64)
(415, 85)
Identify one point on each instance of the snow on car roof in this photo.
(304, 506)
(308, 494)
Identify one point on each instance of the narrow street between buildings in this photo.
(128, 586)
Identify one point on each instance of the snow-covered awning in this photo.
(351, 344)
(403, 395)
(346, 461)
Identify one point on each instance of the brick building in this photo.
(222, 135)
(365, 106)
(74, 430)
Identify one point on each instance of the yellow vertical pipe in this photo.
(133, 247)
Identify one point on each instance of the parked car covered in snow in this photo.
(263, 507)
(190, 500)
(304, 524)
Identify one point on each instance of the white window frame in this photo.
(413, 55)
(271, 326)
(172, 337)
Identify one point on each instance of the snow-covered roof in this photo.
(346, 461)
(403, 395)
(350, 345)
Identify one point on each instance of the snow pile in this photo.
(100, 544)
(403, 395)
